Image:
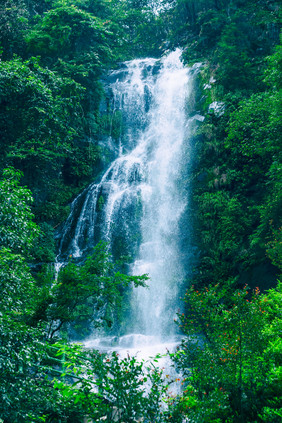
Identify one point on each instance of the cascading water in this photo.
(140, 200)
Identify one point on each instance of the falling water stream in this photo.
(141, 198)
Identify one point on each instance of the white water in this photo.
(142, 193)
(163, 204)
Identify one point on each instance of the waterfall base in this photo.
(144, 348)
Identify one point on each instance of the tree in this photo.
(42, 125)
(113, 388)
(21, 347)
(89, 295)
(14, 22)
(40, 115)
(17, 229)
(73, 41)
(227, 374)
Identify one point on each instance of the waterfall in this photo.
(140, 200)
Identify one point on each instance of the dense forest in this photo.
(54, 56)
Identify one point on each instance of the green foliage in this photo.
(235, 70)
(221, 227)
(35, 120)
(17, 230)
(90, 293)
(43, 249)
(14, 24)
(21, 379)
(111, 387)
(274, 70)
(143, 32)
(17, 285)
(41, 122)
(255, 129)
(20, 346)
(238, 192)
(274, 248)
(229, 358)
(231, 35)
(60, 37)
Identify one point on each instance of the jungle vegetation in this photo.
(54, 54)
